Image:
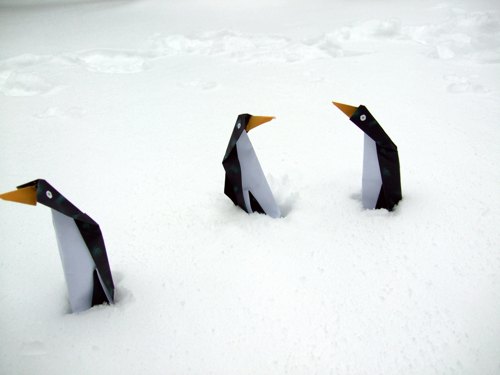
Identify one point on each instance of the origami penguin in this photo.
(381, 184)
(81, 245)
(245, 182)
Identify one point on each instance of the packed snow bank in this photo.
(473, 35)
(127, 108)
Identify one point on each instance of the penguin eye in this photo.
(48, 193)
(362, 117)
(238, 124)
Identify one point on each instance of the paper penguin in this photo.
(245, 182)
(381, 183)
(81, 245)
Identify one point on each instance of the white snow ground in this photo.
(126, 107)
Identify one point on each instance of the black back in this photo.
(233, 187)
(387, 153)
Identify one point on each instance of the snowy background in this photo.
(126, 107)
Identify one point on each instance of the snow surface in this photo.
(126, 107)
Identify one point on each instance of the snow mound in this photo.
(376, 29)
(474, 36)
(110, 61)
(23, 84)
(244, 47)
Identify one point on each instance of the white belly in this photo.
(253, 179)
(372, 180)
(78, 265)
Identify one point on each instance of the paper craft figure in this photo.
(245, 183)
(80, 242)
(381, 184)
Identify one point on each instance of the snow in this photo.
(126, 107)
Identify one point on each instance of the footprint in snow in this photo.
(23, 84)
(202, 85)
(60, 113)
(112, 62)
(461, 85)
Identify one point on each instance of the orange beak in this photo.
(26, 195)
(347, 109)
(257, 120)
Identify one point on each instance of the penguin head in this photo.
(244, 122)
(248, 122)
(37, 191)
(364, 120)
